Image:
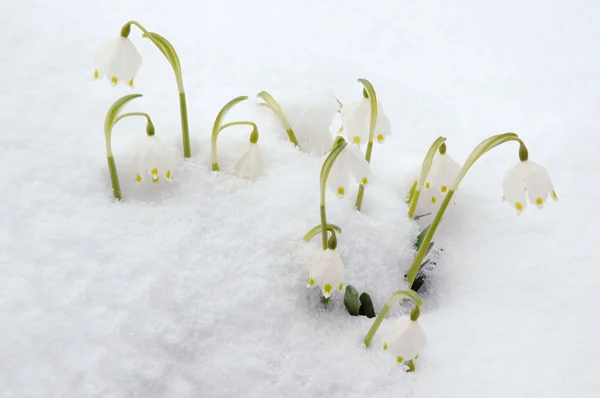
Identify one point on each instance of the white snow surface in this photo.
(198, 288)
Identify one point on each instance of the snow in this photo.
(198, 288)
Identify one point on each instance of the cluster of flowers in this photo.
(363, 123)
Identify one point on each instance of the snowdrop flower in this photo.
(154, 159)
(118, 60)
(406, 340)
(250, 165)
(441, 176)
(356, 118)
(328, 272)
(349, 161)
(527, 177)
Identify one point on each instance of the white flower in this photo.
(311, 122)
(118, 60)
(406, 340)
(349, 161)
(250, 165)
(328, 272)
(356, 118)
(155, 160)
(440, 178)
(527, 177)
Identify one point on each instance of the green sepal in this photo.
(366, 306)
(421, 236)
(351, 300)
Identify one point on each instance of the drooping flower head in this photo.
(349, 162)
(527, 178)
(405, 340)
(440, 178)
(118, 60)
(154, 161)
(328, 273)
(356, 117)
(250, 165)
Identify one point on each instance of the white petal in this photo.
(539, 185)
(359, 167)
(339, 174)
(119, 59)
(356, 118)
(407, 339)
(250, 165)
(442, 174)
(383, 128)
(514, 186)
(328, 272)
(153, 154)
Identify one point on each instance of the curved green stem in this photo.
(325, 169)
(410, 294)
(167, 49)
(437, 144)
(274, 106)
(109, 122)
(369, 92)
(217, 128)
(481, 149)
(149, 125)
(318, 229)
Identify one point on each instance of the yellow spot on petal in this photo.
(380, 137)
(341, 287)
(417, 357)
(503, 198)
(427, 185)
(341, 191)
(444, 188)
(154, 175)
(341, 129)
(519, 207)
(327, 288)
(399, 359)
(539, 201)
(554, 195)
(311, 282)
(114, 80)
(364, 181)
(168, 175)
(356, 140)
(96, 74)
(138, 178)
(385, 346)
(433, 199)
(131, 83)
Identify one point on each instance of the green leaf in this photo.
(421, 216)
(424, 264)
(366, 306)
(421, 237)
(166, 48)
(429, 248)
(351, 300)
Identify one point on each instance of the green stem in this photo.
(369, 91)
(325, 169)
(410, 294)
(185, 131)
(317, 230)
(425, 167)
(217, 128)
(481, 149)
(114, 177)
(149, 125)
(167, 49)
(274, 106)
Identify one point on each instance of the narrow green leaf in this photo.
(429, 248)
(424, 264)
(421, 237)
(421, 216)
(351, 300)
